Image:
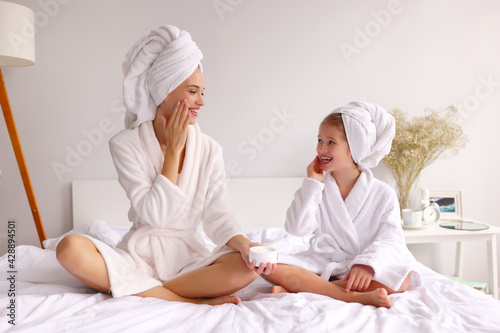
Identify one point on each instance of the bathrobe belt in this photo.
(189, 236)
(339, 258)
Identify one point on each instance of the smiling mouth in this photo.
(325, 160)
(194, 112)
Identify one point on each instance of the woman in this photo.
(174, 177)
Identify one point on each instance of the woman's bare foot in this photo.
(165, 294)
(218, 300)
(278, 289)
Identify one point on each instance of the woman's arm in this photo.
(219, 222)
(242, 244)
(172, 136)
(156, 201)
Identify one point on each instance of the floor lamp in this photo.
(17, 48)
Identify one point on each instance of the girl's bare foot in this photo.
(278, 289)
(377, 298)
(219, 300)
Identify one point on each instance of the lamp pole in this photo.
(16, 145)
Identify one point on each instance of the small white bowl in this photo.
(263, 254)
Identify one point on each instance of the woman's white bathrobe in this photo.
(165, 240)
(364, 229)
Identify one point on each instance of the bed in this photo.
(39, 296)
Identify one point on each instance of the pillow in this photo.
(98, 229)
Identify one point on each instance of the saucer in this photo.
(416, 227)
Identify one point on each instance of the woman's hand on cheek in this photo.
(177, 127)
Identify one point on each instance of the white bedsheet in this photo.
(50, 300)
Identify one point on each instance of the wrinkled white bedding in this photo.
(50, 300)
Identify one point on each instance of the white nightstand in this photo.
(437, 234)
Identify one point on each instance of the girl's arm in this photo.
(301, 215)
(301, 219)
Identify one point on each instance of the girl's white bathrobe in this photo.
(364, 229)
(164, 240)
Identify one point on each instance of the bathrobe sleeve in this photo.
(157, 201)
(387, 254)
(219, 222)
(301, 215)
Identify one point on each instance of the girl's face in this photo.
(333, 149)
(190, 90)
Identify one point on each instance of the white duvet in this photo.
(50, 300)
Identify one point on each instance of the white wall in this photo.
(262, 59)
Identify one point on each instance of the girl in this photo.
(174, 177)
(354, 218)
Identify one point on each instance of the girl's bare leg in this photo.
(79, 256)
(376, 285)
(226, 275)
(295, 279)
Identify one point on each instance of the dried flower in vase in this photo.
(418, 143)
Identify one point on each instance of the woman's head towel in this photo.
(154, 67)
(369, 130)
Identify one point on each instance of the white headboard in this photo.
(99, 200)
(255, 201)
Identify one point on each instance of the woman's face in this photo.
(333, 149)
(190, 90)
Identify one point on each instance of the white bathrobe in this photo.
(164, 241)
(364, 229)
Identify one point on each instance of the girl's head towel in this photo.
(154, 67)
(369, 131)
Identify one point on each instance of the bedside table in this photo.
(437, 234)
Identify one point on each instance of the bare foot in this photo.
(377, 298)
(278, 289)
(219, 300)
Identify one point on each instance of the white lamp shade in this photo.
(17, 35)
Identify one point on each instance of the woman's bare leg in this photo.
(79, 256)
(376, 285)
(295, 279)
(226, 275)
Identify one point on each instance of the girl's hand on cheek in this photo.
(314, 170)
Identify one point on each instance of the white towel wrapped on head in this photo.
(157, 64)
(369, 130)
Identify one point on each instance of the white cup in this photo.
(263, 254)
(412, 217)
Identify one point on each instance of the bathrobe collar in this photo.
(345, 213)
(359, 193)
(191, 158)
